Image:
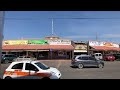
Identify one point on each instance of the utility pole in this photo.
(2, 14)
(88, 48)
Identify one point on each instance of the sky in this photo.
(38, 24)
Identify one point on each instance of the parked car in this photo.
(109, 57)
(117, 56)
(30, 70)
(7, 58)
(81, 61)
(21, 58)
(98, 55)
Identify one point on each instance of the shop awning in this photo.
(106, 48)
(37, 47)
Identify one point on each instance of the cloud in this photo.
(111, 36)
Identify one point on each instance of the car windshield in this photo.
(42, 66)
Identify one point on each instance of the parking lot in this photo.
(111, 70)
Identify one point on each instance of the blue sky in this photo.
(38, 25)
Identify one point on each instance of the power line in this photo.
(84, 18)
(54, 18)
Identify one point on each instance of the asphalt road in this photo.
(111, 70)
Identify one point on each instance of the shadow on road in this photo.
(84, 67)
(73, 66)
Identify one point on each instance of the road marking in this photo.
(59, 63)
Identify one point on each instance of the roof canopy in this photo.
(37, 47)
(106, 48)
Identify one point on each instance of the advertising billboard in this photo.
(37, 42)
(59, 42)
(15, 42)
(101, 43)
(80, 48)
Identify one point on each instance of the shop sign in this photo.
(80, 47)
(59, 42)
(100, 43)
(80, 50)
(15, 42)
(37, 42)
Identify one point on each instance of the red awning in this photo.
(37, 47)
(106, 48)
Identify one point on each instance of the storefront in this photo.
(103, 47)
(40, 49)
(80, 48)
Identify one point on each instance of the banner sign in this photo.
(100, 43)
(80, 48)
(37, 42)
(59, 42)
(15, 42)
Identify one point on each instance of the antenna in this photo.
(52, 28)
(96, 36)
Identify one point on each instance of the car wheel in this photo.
(6, 61)
(100, 65)
(80, 66)
(8, 77)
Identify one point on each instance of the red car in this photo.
(108, 57)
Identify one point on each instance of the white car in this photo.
(21, 58)
(30, 70)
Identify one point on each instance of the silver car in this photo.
(81, 61)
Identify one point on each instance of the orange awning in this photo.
(37, 47)
(106, 48)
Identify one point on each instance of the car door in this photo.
(32, 70)
(92, 61)
(17, 71)
(85, 61)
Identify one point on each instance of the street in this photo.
(111, 70)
